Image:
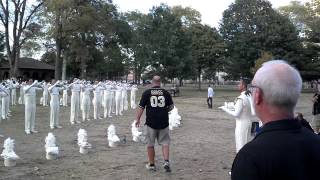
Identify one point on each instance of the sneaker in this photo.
(28, 132)
(150, 168)
(166, 166)
(51, 127)
(34, 131)
(58, 127)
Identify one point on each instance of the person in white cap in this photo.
(75, 101)
(54, 90)
(97, 89)
(30, 105)
(86, 101)
(45, 94)
(14, 87)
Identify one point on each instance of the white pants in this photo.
(8, 104)
(118, 103)
(85, 107)
(45, 98)
(96, 106)
(54, 111)
(125, 100)
(30, 112)
(14, 96)
(108, 104)
(242, 132)
(75, 107)
(4, 107)
(133, 100)
(21, 96)
(65, 98)
(113, 101)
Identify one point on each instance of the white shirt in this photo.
(210, 92)
(55, 91)
(76, 88)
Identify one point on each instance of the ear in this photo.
(258, 96)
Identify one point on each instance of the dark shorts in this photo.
(162, 136)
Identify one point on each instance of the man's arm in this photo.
(138, 115)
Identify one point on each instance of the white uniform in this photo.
(118, 101)
(75, 103)
(54, 106)
(5, 102)
(30, 107)
(65, 97)
(21, 96)
(85, 103)
(107, 97)
(97, 101)
(14, 93)
(125, 98)
(45, 94)
(3, 94)
(242, 113)
(133, 95)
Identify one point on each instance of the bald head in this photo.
(156, 80)
(280, 84)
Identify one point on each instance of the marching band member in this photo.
(75, 103)
(97, 89)
(86, 102)
(133, 95)
(30, 105)
(54, 104)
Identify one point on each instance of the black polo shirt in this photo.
(283, 150)
(157, 102)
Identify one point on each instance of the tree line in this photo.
(91, 38)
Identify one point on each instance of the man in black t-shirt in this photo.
(158, 103)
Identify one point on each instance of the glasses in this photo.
(252, 87)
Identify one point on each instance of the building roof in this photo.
(28, 63)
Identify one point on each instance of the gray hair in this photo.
(280, 83)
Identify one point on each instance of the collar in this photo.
(155, 87)
(280, 125)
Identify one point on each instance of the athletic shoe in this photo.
(34, 131)
(150, 168)
(166, 166)
(59, 127)
(28, 132)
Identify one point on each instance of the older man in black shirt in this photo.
(158, 103)
(283, 149)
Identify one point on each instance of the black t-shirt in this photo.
(157, 102)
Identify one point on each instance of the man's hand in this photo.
(137, 123)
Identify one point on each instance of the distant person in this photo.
(316, 110)
(283, 149)
(157, 102)
(210, 96)
(242, 113)
(303, 121)
(30, 105)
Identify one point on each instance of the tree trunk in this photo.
(64, 67)
(199, 76)
(57, 68)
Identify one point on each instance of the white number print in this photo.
(157, 101)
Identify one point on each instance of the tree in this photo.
(207, 49)
(306, 19)
(2, 46)
(19, 15)
(250, 27)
